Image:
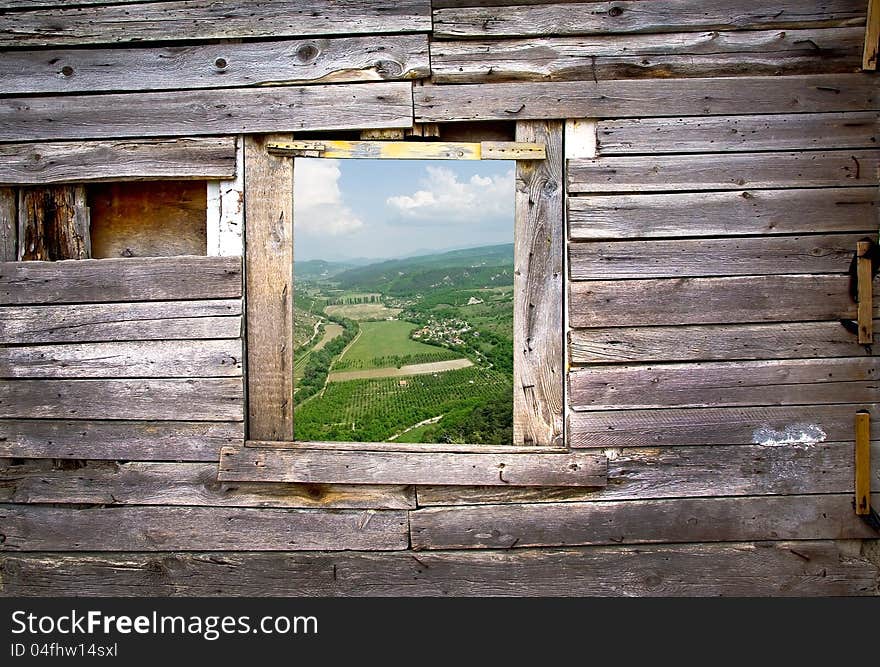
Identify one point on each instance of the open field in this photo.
(403, 371)
(331, 331)
(387, 344)
(362, 311)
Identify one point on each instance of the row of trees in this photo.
(318, 366)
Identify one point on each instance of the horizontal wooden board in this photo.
(724, 171)
(146, 320)
(714, 134)
(40, 528)
(802, 568)
(689, 54)
(206, 112)
(637, 98)
(115, 23)
(227, 65)
(405, 447)
(725, 383)
(608, 303)
(204, 399)
(124, 279)
(737, 213)
(716, 426)
(598, 260)
(188, 484)
(657, 16)
(123, 440)
(145, 359)
(251, 464)
(84, 161)
(638, 522)
(785, 340)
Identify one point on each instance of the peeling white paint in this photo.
(226, 211)
(612, 453)
(805, 435)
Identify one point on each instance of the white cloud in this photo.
(319, 207)
(444, 197)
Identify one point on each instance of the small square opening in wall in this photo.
(403, 301)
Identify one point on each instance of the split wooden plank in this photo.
(128, 279)
(781, 425)
(8, 225)
(746, 212)
(864, 271)
(872, 36)
(250, 464)
(269, 261)
(739, 133)
(674, 301)
(628, 16)
(725, 383)
(123, 440)
(598, 260)
(638, 522)
(35, 528)
(207, 112)
(189, 484)
(724, 171)
(639, 98)
(539, 239)
(187, 20)
(784, 340)
(143, 359)
(689, 54)
(801, 568)
(227, 65)
(53, 223)
(196, 399)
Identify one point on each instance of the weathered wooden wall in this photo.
(709, 240)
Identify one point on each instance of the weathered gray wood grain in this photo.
(759, 212)
(84, 161)
(207, 112)
(251, 464)
(638, 522)
(123, 440)
(637, 98)
(39, 528)
(146, 320)
(802, 568)
(124, 279)
(209, 19)
(202, 399)
(8, 225)
(395, 446)
(784, 340)
(53, 223)
(189, 484)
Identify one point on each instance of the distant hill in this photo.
(315, 269)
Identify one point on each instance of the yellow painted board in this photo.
(865, 307)
(872, 36)
(412, 150)
(863, 462)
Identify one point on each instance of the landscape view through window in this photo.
(403, 317)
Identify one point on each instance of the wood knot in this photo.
(388, 69)
(307, 52)
(615, 11)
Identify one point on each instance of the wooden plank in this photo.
(739, 133)
(188, 484)
(369, 149)
(785, 340)
(725, 383)
(539, 240)
(580, 138)
(724, 171)
(207, 112)
(53, 223)
(862, 463)
(128, 279)
(515, 150)
(159, 320)
(35, 528)
(209, 19)
(145, 359)
(758, 212)
(629, 16)
(637, 522)
(196, 399)
(269, 260)
(84, 161)
(8, 224)
(252, 464)
(638, 98)
(225, 211)
(406, 447)
(605, 303)
(802, 568)
(864, 270)
(226, 65)
(124, 440)
(688, 54)
(598, 260)
(794, 425)
(872, 36)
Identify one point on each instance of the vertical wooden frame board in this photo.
(269, 289)
(8, 225)
(538, 364)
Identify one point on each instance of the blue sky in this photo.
(392, 208)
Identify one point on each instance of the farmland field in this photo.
(362, 311)
(387, 344)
